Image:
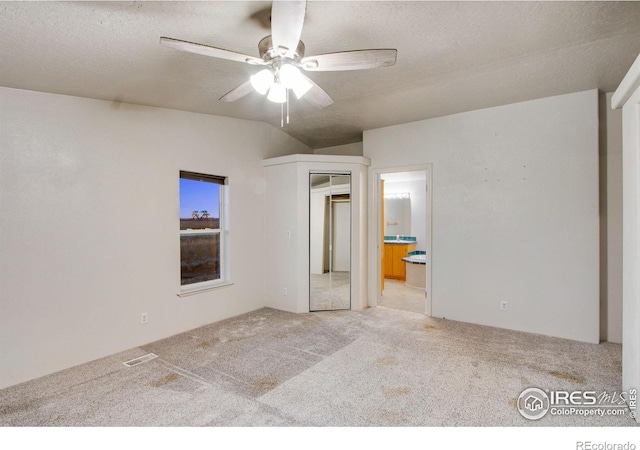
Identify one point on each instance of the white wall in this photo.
(515, 211)
(418, 194)
(354, 149)
(610, 221)
(89, 225)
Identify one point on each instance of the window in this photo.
(202, 231)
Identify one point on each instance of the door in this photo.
(329, 241)
(382, 246)
(415, 181)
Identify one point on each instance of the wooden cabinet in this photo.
(388, 260)
(394, 266)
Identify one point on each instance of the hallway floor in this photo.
(378, 367)
(397, 295)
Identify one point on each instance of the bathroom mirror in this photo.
(329, 241)
(397, 215)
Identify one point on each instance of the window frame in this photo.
(222, 231)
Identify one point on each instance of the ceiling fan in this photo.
(282, 55)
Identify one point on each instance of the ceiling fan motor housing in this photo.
(268, 53)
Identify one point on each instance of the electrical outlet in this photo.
(284, 291)
(503, 305)
(288, 234)
(144, 318)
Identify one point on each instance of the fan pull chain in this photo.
(281, 115)
(287, 106)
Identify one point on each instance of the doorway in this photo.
(402, 197)
(329, 241)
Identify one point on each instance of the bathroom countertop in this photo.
(401, 241)
(411, 260)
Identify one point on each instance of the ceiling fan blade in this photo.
(238, 92)
(351, 60)
(207, 50)
(287, 18)
(317, 96)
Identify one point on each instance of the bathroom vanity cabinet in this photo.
(394, 266)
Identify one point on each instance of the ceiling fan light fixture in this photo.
(262, 81)
(277, 93)
(291, 78)
(282, 54)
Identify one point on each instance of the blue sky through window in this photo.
(199, 196)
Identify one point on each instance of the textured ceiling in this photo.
(452, 56)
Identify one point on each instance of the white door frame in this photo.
(374, 231)
(627, 97)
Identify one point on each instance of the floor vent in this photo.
(140, 360)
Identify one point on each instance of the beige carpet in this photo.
(379, 367)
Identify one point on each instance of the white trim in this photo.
(205, 286)
(223, 233)
(627, 96)
(631, 242)
(197, 231)
(428, 237)
(628, 85)
(333, 159)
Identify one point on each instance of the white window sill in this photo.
(186, 292)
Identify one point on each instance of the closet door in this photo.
(329, 241)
